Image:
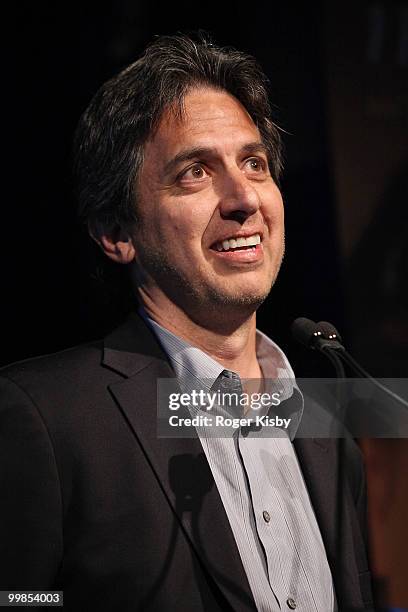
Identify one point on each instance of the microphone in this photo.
(312, 335)
(329, 331)
(316, 335)
(305, 331)
(324, 337)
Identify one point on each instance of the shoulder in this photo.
(56, 384)
(63, 366)
(74, 384)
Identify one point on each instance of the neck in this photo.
(227, 335)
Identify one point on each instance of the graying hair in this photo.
(110, 137)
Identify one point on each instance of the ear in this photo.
(116, 244)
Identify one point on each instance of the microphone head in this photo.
(305, 331)
(329, 331)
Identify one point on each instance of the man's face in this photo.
(211, 230)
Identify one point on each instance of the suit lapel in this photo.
(179, 464)
(320, 466)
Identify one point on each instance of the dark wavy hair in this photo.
(109, 140)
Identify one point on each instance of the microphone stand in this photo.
(324, 337)
(312, 335)
(327, 349)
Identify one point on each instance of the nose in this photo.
(238, 196)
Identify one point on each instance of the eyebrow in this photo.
(197, 152)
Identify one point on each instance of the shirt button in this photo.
(291, 603)
(267, 516)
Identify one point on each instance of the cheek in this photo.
(273, 212)
(189, 221)
(277, 206)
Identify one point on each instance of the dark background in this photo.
(55, 298)
(53, 288)
(339, 86)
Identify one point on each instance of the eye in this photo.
(193, 173)
(256, 165)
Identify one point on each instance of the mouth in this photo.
(241, 251)
(238, 243)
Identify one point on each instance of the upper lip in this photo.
(238, 234)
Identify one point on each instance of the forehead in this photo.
(210, 117)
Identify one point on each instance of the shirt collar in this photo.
(191, 362)
(187, 360)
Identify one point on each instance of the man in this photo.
(178, 163)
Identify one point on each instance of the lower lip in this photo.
(245, 256)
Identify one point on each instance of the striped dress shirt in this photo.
(261, 484)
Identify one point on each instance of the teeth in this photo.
(253, 240)
(233, 243)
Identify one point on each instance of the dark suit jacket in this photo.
(94, 504)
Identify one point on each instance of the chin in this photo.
(242, 297)
(222, 311)
(248, 289)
